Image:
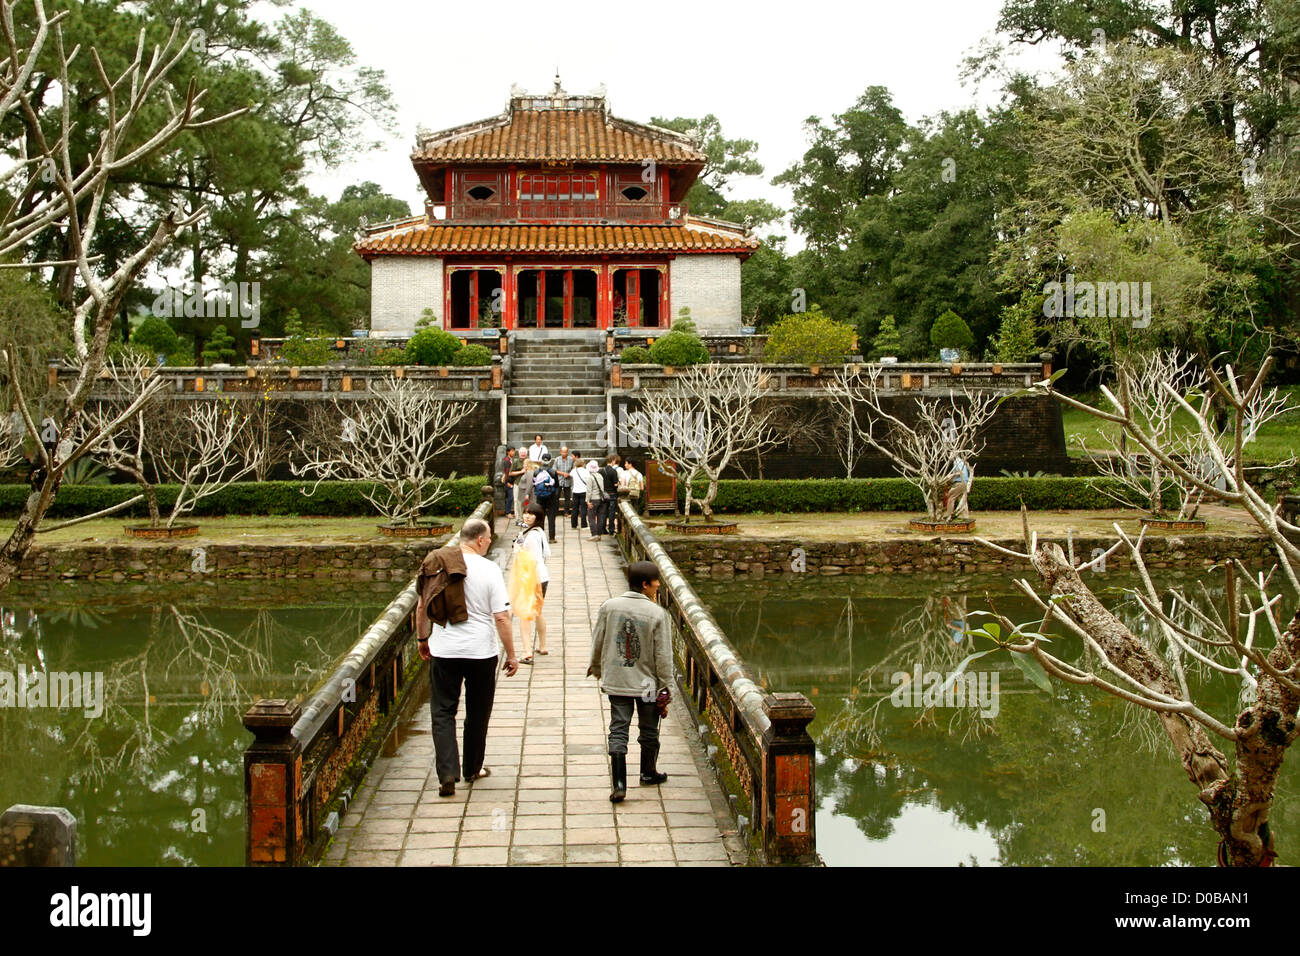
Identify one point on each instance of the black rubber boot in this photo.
(650, 777)
(618, 777)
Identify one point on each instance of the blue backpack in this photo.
(546, 488)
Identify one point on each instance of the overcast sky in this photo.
(760, 68)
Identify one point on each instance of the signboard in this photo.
(660, 486)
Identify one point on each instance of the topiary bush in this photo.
(679, 349)
(808, 338)
(636, 355)
(432, 347)
(220, 347)
(472, 355)
(950, 331)
(158, 336)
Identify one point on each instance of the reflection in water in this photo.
(157, 777)
(1075, 778)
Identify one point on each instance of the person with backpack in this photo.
(533, 540)
(609, 475)
(595, 499)
(546, 489)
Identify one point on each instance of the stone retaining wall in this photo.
(756, 557)
(381, 561)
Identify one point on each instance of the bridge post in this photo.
(789, 781)
(37, 836)
(273, 784)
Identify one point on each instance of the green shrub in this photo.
(472, 355)
(159, 337)
(1017, 339)
(887, 340)
(636, 355)
(679, 349)
(303, 348)
(220, 347)
(684, 323)
(808, 338)
(895, 494)
(331, 499)
(371, 353)
(950, 331)
(431, 347)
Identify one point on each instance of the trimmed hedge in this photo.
(331, 499)
(895, 494)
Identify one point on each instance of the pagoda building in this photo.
(555, 215)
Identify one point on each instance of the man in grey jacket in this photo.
(632, 656)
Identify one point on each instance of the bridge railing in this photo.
(912, 376)
(764, 752)
(305, 760)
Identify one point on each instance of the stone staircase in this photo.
(557, 387)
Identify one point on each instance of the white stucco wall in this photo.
(710, 287)
(401, 287)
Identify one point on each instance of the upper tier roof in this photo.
(556, 128)
(418, 236)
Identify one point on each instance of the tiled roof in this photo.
(562, 135)
(419, 237)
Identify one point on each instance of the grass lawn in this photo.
(883, 525)
(1277, 440)
(237, 529)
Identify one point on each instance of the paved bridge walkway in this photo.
(547, 800)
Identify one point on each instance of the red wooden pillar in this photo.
(541, 298)
(508, 296)
(473, 299)
(568, 298)
(633, 296)
(604, 297)
(664, 318)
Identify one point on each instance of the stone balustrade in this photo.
(763, 743)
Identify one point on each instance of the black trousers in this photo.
(566, 498)
(445, 679)
(551, 505)
(578, 513)
(597, 509)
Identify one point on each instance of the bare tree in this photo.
(390, 439)
(266, 440)
(703, 421)
(123, 449)
(1151, 390)
(52, 188)
(1249, 639)
(201, 449)
(945, 432)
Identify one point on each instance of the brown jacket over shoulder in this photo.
(440, 590)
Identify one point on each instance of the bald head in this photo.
(476, 534)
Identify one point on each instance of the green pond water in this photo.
(1075, 778)
(156, 779)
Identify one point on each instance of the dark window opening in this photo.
(482, 192)
(635, 193)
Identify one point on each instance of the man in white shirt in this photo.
(579, 473)
(536, 450)
(466, 652)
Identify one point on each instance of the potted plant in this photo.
(950, 334)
